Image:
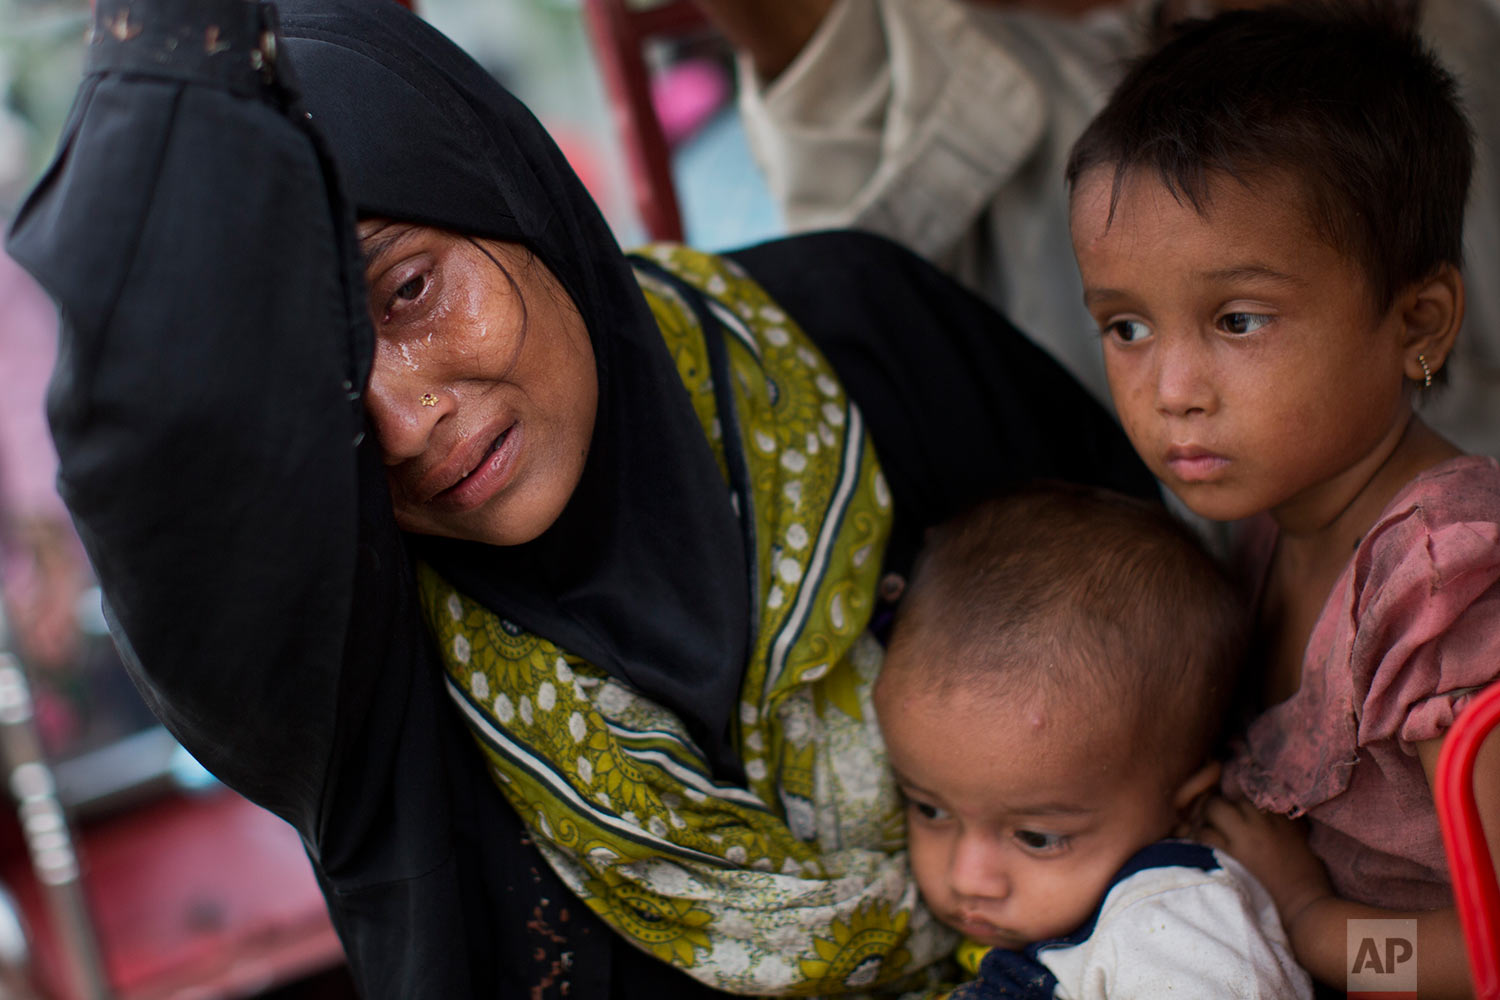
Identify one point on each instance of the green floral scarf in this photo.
(798, 884)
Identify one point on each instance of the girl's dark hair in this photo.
(1342, 97)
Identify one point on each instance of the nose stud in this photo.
(1426, 372)
(428, 399)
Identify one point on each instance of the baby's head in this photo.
(1055, 683)
(1268, 218)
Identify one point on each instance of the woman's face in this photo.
(483, 390)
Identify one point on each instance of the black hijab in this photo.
(644, 573)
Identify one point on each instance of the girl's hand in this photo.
(1273, 848)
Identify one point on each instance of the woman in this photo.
(633, 490)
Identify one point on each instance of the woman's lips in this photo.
(1191, 464)
(490, 476)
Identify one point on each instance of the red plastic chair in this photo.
(619, 31)
(1474, 886)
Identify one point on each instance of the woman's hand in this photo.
(1275, 851)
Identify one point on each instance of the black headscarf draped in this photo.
(644, 573)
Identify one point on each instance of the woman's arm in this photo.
(203, 401)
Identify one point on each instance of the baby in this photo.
(1054, 686)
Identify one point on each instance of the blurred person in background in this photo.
(44, 569)
(82, 696)
(944, 125)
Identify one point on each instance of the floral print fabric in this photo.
(798, 883)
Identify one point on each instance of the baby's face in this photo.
(1018, 815)
(1244, 357)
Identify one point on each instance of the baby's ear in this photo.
(1195, 786)
(1431, 312)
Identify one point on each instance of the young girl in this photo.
(1268, 221)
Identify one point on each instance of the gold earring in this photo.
(1426, 372)
(428, 399)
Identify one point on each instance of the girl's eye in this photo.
(1127, 331)
(1242, 322)
(1041, 843)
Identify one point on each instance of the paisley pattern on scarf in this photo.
(798, 884)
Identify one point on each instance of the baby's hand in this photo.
(1273, 848)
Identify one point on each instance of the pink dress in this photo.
(1409, 634)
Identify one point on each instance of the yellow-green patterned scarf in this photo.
(797, 885)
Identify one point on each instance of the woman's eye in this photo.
(1042, 843)
(412, 288)
(927, 811)
(401, 296)
(408, 291)
(1127, 331)
(1242, 322)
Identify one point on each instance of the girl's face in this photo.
(1245, 360)
(483, 390)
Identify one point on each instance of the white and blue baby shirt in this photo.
(1179, 919)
